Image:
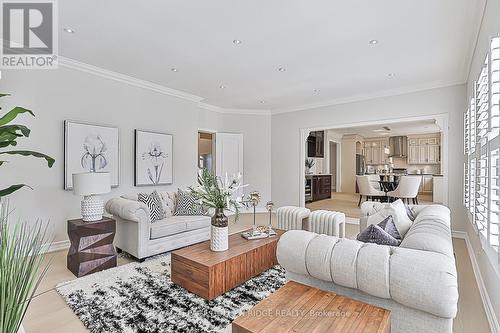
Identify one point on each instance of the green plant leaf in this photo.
(2, 95)
(13, 129)
(8, 143)
(12, 114)
(11, 189)
(50, 160)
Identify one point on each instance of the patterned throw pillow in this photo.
(187, 205)
(388, 225)
(154, 203)
(377, 235)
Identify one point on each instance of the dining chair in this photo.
(366, 189)
(407, 189)
(374, 181)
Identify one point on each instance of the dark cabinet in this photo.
(316, 144)
(321, 187)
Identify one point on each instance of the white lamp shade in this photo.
(89, 183)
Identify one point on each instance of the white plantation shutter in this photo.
(482, 151)
(472, 123)
(493, 235)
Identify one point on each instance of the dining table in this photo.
(388, 185)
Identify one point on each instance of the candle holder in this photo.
(255, 233)
(269, 207)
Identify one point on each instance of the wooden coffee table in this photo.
(209, 274)
(299, 308)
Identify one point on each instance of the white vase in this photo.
(219, 240)
(21, 329)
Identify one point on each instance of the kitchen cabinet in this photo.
(316, 144)
(424, 150)
(427, 183)
(321, 187)
(374, 152)
(413, 155)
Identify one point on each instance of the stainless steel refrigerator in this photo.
(360, 164)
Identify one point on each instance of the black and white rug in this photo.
(140, 297)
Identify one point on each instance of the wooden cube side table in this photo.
(91, 247)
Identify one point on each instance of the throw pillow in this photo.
(410, 212)
(388, 226)
(375, 234)
(187, 205)
(155, 205)
(398, 211)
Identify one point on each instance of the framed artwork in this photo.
(90, 148)
(153, 158)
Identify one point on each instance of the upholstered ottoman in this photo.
(327, 222)
(292, 218)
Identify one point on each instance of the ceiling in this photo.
(323, 46)
(403, 128)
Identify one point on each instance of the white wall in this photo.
(286, 136)
(56, 95)
(490, 27)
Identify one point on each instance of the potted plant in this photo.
(213, 192)
(309, 165)
(22, 248)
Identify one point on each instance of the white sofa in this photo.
(135, 234)
(417, 281)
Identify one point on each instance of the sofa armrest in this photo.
(129, 210)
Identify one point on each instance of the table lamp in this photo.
(89, 185)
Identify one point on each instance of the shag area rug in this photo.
(140, 297)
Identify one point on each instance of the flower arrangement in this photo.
(217, 193)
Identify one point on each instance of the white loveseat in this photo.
(137, 235)
(417, 281)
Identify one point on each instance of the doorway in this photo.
(333, 165)
(206, 150)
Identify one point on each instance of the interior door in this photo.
(229, 154)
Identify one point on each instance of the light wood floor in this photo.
(347, 203)
(49, 313)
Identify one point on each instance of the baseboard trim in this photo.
(488, 307)
(56, 246)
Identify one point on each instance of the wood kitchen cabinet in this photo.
(321, 187)
(424, 150)
(316, 144)
(374, 151)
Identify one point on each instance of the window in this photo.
(482, 151)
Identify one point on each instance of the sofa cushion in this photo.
(187, 204)
(372, 271)
(375, 234)
(154, 203)
(431, 231)
(177, 224)
(398, 211)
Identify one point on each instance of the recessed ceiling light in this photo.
(391, 75)
(236, 42)
(373, 42)
(281, 69)
(262, 102)
(222, 86)
(69, 30)
(316, 90)
(173, 69)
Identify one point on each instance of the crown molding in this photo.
(130, 80)
(210, 107)
(366, 97)
(111, 75)
(98, 71)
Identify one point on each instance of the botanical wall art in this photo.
(153, 158)
(90, 148)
